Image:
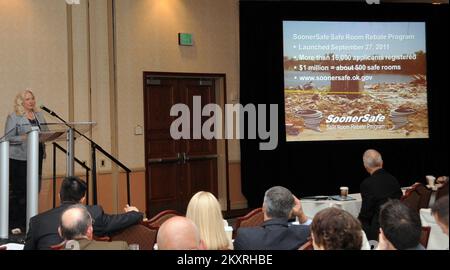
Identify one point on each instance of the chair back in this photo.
(307, 246)
(59, 246)
(139, 234)
(425, 235)
(417, 197)
(161, 217)
(253, 219)
(442, 191)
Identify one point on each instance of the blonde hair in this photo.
(18, 101)
(204, 210)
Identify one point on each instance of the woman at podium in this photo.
(18, 124)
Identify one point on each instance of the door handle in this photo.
(178, 158)
(201, 157)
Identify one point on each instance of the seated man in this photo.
(76, 224)
(441, 180)
(179, 233)
(43, 228)
(440, 213)
(275, 232)
(335, 229)
(375, 190)
(400, 227)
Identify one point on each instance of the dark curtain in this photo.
(320, 168)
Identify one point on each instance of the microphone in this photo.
(37, 120)
(52, 113)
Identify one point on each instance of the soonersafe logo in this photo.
(212, 128)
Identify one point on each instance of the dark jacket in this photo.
(274, 234)
(375, 191)
(43, 229)
(85, 244)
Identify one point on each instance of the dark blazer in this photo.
(274, 234)
(43, 229)
(375, 191)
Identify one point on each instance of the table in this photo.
(13, 246)
(437, 240)
(312, 207)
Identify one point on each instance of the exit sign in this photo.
(185, 39)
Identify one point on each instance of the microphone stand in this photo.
(95, 146)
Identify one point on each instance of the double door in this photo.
(176, 168)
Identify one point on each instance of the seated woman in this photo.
(204, 210)
(336, 229)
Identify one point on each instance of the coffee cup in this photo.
(344, 191)
(229, 233)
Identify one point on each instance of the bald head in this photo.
(75, 222)
(372, 160)
(179, 233)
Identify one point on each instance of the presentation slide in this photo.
(355, 80)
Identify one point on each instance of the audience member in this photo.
(441, 180)
(204, 210)
(179, 233)
(442, 186)
(43, 228)
(440, 213)
(375, 191)
(400, 227)
(336, 229)
(275, 233)
(76, 224)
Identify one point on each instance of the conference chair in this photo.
(161, 217)
(141, 234)
(307, 246)
(417, 196)
(253, 219)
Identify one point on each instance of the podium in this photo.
(45, 132)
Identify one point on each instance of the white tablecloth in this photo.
(311, 207)
(437, 240)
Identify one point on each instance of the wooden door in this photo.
(176, 169)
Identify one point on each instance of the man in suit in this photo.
(76, 224)
(179, 233)
(276, 233)
(440, 213)
(375, 191)
(400, 227)
(43, 228)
